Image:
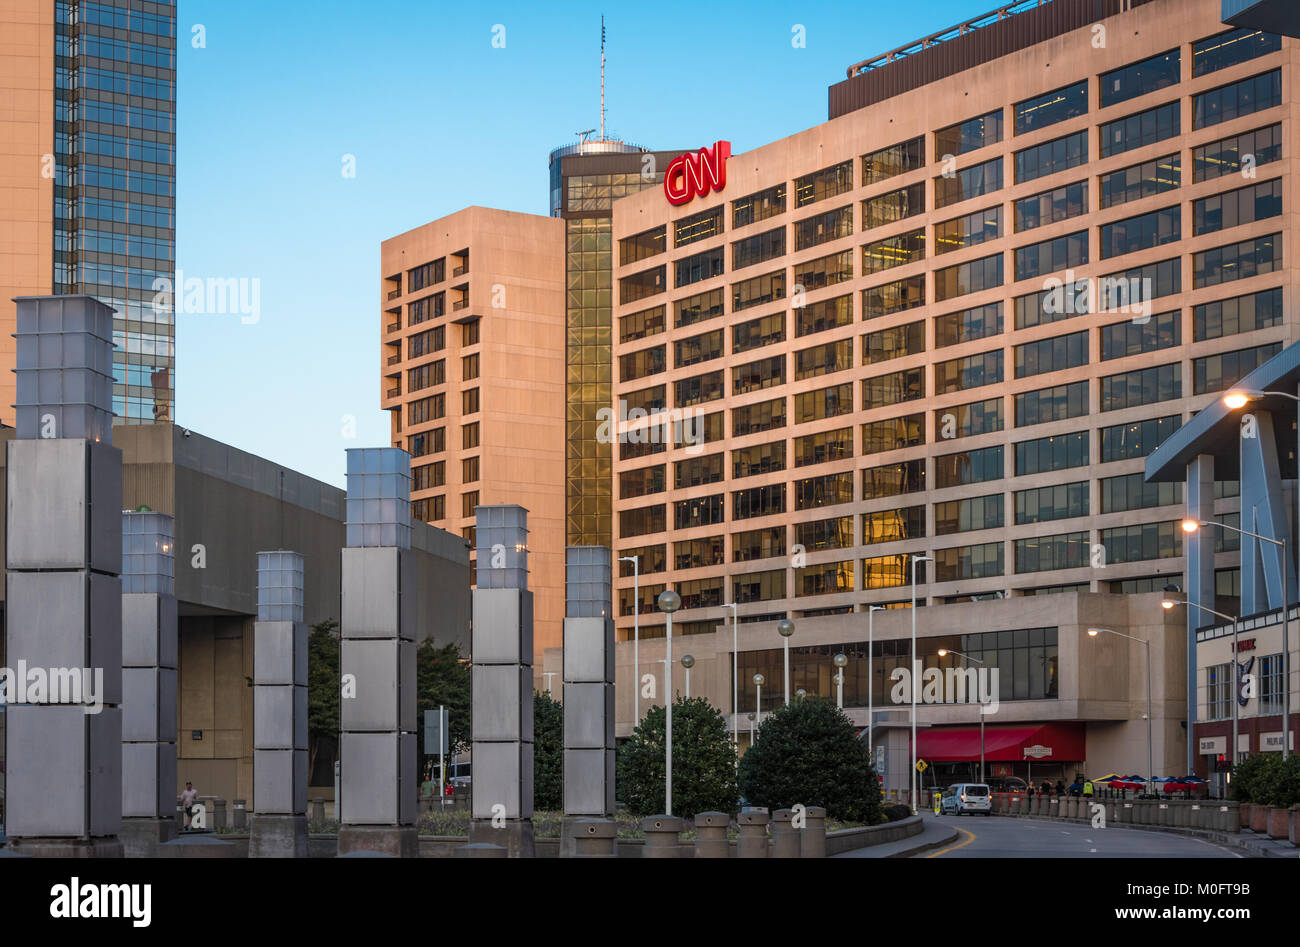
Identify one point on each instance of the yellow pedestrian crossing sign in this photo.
(922, 766)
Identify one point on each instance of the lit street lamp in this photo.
(1169, 601)
(785, 628)
(669, 602)
(944, 652)
(1093, 633)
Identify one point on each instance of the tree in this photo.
(548, 753)
(809, 753)
(323, 686)
(442, 678)
(704, 762)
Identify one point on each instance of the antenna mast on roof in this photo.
(602, 78)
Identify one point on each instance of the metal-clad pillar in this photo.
(1199, 547)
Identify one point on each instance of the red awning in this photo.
(1050, 742)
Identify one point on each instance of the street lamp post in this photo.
(688, 662)
(871, 678)
(943, 652)
(735, 682)
(669, 602)
(1190, 526)
(840, 661)
(1093, 633)
(757, 715)
(785, 628)
(912, 675)
(1168, 602)
(636, 636)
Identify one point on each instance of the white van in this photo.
(966, 798)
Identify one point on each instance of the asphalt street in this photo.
(1001, 837)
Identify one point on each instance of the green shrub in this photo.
(548, 752)
(704, 762)
(809, 753)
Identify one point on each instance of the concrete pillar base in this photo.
(142, 836)
(109, 846)
(516, 836)
(595, 838)
(277, 836)
(399, 841)
(569, 832)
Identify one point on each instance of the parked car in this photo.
(966, 798)
(460, 775)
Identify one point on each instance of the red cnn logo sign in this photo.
(694, 175)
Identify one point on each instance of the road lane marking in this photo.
(953, 848)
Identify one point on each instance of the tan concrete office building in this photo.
(950, 322)
(473, 324)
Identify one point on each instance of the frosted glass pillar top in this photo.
(588, 586)
(148, 553)
(63, 367)
(379, 497)
(502, 552)
(279, 586)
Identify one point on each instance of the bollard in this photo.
(318, 809)
(1196, 813)
(711, 835)
(1124, 812)
(1229, 816)
(595, 838)
(1053, 807)
(661, 836)
(218, 813)
(481, 850)
(239, 814)
(753, 832)
(1024, 804)
(812, 837)
(785, 838)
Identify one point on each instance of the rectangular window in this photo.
(1061, 501)
(1228, 155)
(823, 359)
(641, 285)
(759, 586)
(969, 420)
(1136, 439)
(968, 562)
(426, 409)
(758, 544)
(756, 333)
(823, 403)
(967, 467)
(1237, 99)
(1143, 232)
(974, 133)
(697, 390)
(829, 490)
(964, 516)
(757, 290)
(1226, 317)
(760, 205)
(643, 482)
(825, 271)
(697, 471)
(1120, 292)
(1132, 492)
(888, 572)
(1050, 207)
(697, 553)
(650, 400)
(1141, 180)
(968, 183)
(1237, 261)
(1231, 48)
(468, 503)
(700, 266)
(898, 296)
(1137, 131)
(968, 325)
(469, 401)
(1130, 337)
(646, 244)
(894, 342)
(1049, 256)
(892, 206)
(1060, 154)
(966, 278)
(643, 521)
(1058, 452)
(697, 348)
(469, 469)
(1051, 355)
(758, 501)
(639, 364)
(823, 184)
(699, 511)
(641, 325)
(890, 252)
(1235, 208)
(892, 161)
(469, 435)
(836, 533)
(1224, 369)
(764, 373)
(1141, 386)
(758, 249)
(699, 308)
(893, 434)
(968, 231)
(890, 526)
(894, 388)
(1050, 553)
(1058, 403)
(825, 578)
(823, 447)
(891, 480)
(1059, 105)
(759, 459)
(1142, 542)
(429, 476)
(1140, 78)
(822, 228)
(972, 371)
(701, 226)
(755, 418)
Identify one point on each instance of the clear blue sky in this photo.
(437, 119)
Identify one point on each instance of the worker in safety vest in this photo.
(1087, 787)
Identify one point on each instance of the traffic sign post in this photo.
(435, 741)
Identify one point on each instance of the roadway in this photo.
(1005, 837)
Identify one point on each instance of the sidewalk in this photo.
(934, 835)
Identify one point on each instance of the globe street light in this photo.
(758, 701)
(735, 682)
(871, 678)
(688, 662)
(1172, 599)
(1190, 526)
(912, 675)
(801, 693)
(636, 636)
(751, 728)
(785, 628)
(841, 661)
(669, 602)
(943, 653)
(1093, 633)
